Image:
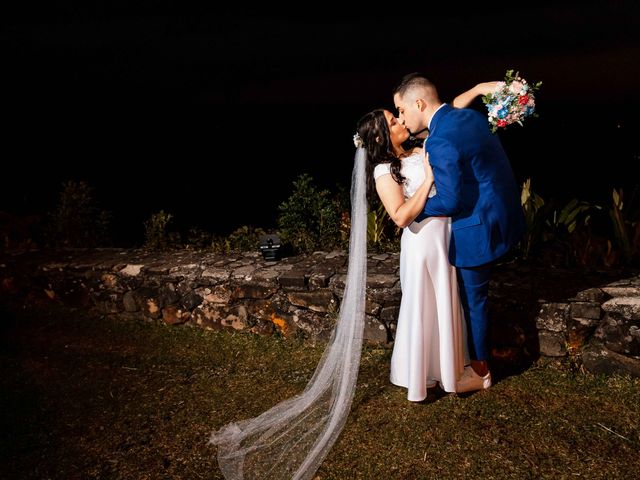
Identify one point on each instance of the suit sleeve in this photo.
(446, 163)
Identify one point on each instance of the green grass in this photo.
(85, 397)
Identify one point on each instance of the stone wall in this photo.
(544, 311)
(601, 325)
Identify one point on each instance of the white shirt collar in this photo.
(434, 114)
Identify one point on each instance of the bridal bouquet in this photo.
(512, 101)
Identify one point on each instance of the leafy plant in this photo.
(242, 239)
(198, 239)
(626, 228)
(157, 236)
(568, 235)
(574, 214)
(77, 221)
(309, 219)
(382, 234)
(532, 206)
(558, 233)
(345, 228)
(376, 222)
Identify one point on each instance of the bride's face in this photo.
(398, 133)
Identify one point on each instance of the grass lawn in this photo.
(84, 397)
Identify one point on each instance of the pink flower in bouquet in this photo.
(516, 87)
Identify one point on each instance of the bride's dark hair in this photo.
(374, 132)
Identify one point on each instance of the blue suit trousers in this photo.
(474, 292)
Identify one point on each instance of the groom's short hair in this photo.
(411, 81)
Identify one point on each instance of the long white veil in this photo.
(291, 439)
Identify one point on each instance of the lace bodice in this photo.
(413, 171)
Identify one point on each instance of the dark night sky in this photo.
(162, 105)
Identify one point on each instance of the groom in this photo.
(476, 187)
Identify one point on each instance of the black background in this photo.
(211, 112)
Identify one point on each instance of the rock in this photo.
(597, 359)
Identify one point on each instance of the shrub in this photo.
(626, 226)
(156, 233)
(77, 221)
(309, 219)
(242, 239)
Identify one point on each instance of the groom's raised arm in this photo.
(445, 161)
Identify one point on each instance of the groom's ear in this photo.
(421, 104)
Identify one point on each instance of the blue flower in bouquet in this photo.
(512, 101)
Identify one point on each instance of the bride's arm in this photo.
(464, 99)
(402, 211)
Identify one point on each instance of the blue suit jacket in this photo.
(475, 187)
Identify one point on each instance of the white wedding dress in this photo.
(430, 342)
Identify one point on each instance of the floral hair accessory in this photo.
(512, 101)
(357, 141)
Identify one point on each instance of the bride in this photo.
(429, 341)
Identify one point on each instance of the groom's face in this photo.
(409, 114)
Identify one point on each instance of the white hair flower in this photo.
(357, 141)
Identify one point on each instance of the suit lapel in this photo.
(438, 116)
